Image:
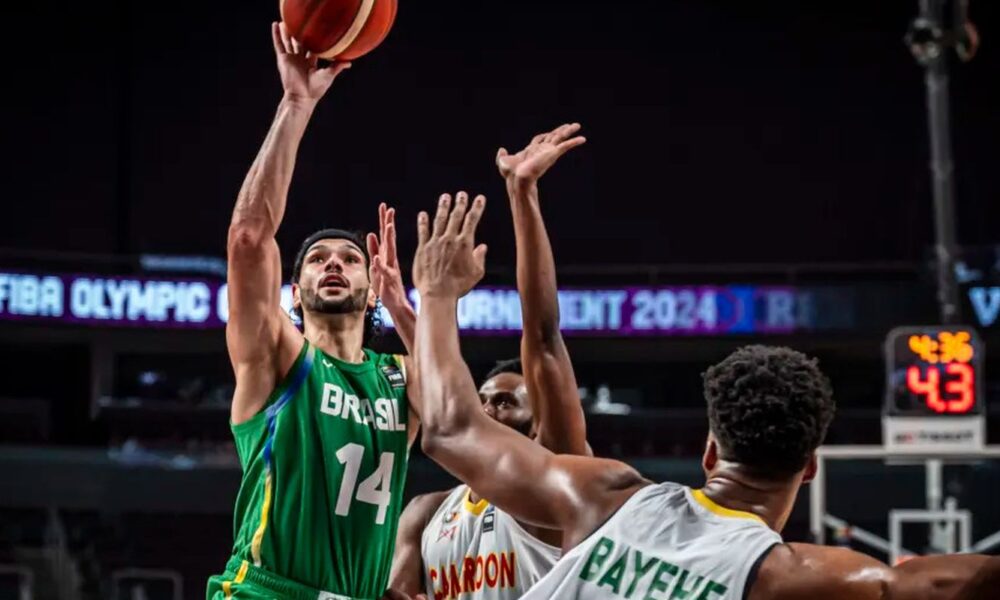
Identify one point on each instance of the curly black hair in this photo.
(769, 409)
(512, 365)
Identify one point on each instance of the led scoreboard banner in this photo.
(934, 383)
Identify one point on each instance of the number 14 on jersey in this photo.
(375, 489)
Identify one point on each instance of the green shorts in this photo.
(243, 580)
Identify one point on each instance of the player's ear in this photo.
(296, 296)
(372, 298)
(711, 457)
(811, 468)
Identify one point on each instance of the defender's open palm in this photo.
(448, 263)
(528, 165)
(301, 76)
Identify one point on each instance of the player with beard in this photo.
(322, 424)
(455, 544)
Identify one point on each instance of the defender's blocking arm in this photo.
(559, 419)
(570, 493)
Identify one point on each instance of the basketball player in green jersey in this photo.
(625, 537)
(322, 424)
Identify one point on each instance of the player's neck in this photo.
(340, 336)
(772, 501)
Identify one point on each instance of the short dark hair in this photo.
(512, 365)
(769, 409)
(373, 322)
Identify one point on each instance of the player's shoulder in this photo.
(385, 358)
(390, 365)
(819, 572)
(603, 473)
(597, 489)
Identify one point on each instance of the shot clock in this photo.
(933, 390)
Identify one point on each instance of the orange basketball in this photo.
(339, 29)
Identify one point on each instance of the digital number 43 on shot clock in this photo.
(934, 388)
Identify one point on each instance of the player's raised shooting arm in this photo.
(254, 274)
(256, 325)
(794, 571)
(571, 493)
(559, 418)
(407, 574)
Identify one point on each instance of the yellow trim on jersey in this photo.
(477, 508)
(227, 586)
(700, 497)
(242, 574)
(258, 535)
(401, 361)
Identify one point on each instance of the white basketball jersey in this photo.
(477, 552)
(667, 541)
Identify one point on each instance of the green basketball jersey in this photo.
(323, 473)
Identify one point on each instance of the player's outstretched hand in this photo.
(528, 165)
(301, 76)
(448, 263)
(386, 276)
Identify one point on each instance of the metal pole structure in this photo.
(935, 61)
(817, 502)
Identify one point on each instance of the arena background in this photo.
(774, 154)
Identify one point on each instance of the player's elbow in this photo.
(440, 428)
(431, 440)
(435, 434)
(249, 236)
(932, 585)
(543, 335)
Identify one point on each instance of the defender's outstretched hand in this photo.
(301, 76)
(387, 278)
(448, 263)
(528, 165)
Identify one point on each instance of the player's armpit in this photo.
(407, 562)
